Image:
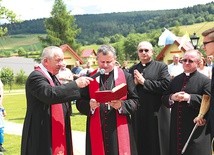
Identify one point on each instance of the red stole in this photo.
(58, 125)
(96, 137)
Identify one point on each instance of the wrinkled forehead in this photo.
(190, 56)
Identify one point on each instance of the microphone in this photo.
(100, 72)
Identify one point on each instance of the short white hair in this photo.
(49, 52)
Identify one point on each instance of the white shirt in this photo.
(175, 70)
(65, 75)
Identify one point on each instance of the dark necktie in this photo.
(55, 80)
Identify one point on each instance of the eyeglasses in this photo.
(141, 50)
(187, 60)
(205, 43)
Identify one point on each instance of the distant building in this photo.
(166, 54)
(89, 55)
(70, 56)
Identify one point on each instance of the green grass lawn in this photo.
(15, 106)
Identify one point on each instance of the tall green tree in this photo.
(7, 76)
(61, 27)
(8, 15)
(130, 45)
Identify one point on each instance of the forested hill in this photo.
(95, 26)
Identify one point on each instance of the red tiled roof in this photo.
(87, 53)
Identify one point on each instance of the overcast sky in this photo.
(34, 9)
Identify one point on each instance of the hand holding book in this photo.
(116, 93)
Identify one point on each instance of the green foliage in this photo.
(14, 42)
(94, 26)
(5, 53)
(60, 27)
(153, 36)
(130, 45)
(104, 40)
(21, 78)
(8, 15)
(7, 76)
(116, 38)
(21, 51)
(121, 54)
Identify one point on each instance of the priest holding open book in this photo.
(108, 103)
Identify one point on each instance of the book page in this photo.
(118, 87)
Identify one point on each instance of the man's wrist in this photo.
(201, 115)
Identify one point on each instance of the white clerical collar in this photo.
(115, 70)
(187, 74)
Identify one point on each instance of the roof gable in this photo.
(185, 47)
(67, 48)
(88, 53)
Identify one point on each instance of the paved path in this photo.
(77, 136)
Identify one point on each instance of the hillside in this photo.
(95, 26)
(20, 40)
(27, 41)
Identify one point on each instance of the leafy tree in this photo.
(177, 31)
(6, 14)
(7, 76)
(104, 40)
(121, 55)
(5, 53)
(60, 27)
(21, 78)
(116, 38)
(130, 45)
(21, 51)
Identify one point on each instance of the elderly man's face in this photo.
(145, 52)
(54, 64)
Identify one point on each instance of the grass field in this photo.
(15, 106)
(197, 28)
(13, 42)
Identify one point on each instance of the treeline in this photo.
(95, 27)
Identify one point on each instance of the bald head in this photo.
(145, 43)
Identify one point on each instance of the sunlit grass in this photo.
(15, 106)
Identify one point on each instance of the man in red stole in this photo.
(109, 130)
(47, 129)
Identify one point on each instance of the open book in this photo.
(116, 93)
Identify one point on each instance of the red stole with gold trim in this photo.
(96, 135)
(58, 124)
